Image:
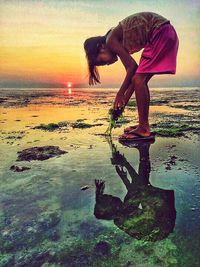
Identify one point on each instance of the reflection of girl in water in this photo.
(147, 212)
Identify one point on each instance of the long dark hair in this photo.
(92, 47)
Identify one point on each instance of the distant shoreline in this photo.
(98, 88)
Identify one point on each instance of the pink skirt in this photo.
(159, 55)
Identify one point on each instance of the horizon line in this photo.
(92, 87)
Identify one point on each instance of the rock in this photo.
(28, 234)
(102, 248)
(50, 221)
(90, 229)
(168, 167)
(140, 206)
(7, 260)
(183, 159)
(15, 168)
(34, 258)
(170, 162)
(39, 153)
(85, 187)
(47, 127)
(54, 235)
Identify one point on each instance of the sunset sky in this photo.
(41, 42)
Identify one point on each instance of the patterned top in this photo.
(138, 29)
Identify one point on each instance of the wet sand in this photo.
(45, 217)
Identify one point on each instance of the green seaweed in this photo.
(188, 107)
(55, 126)
(157, 102)
(83, 125)
(51, 126)
(131, 103)
(47, 127)
(123, 120)
(171, 132)
(114, 115)
(154, 102)
(171, 129)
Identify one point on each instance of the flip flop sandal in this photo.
(138, 137)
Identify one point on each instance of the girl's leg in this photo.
(140, 84)
(128, 95)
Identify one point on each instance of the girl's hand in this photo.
(119, 102)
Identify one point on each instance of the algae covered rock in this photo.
(102, 248)
(39, 153)
(30, 233)
(15, 168)
(51, 126)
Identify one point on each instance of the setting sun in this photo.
(68, 84)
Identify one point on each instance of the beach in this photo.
(51, 213)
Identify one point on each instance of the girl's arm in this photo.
(126, 90)
(129, 63)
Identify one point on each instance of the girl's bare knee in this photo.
(138, 81)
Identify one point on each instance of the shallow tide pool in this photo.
(102, 203)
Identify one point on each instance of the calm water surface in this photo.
(140, 203)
